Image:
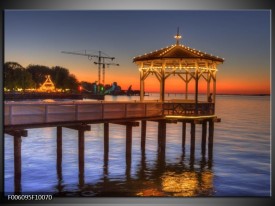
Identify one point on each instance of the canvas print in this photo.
(137, 103)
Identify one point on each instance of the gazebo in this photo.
(189, 65)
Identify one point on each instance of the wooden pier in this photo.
(77, 115)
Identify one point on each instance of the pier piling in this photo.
(59, 152)
(143, 135)
(183, 135)
(161, 136)
(129, 129)
(210, 139)
(17, 139)
(203, 138)
(193, 135)
(106, 141)
(81, 147)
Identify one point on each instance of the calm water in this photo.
(240, 165)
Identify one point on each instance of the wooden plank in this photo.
(114, 115)
(114, 107)
(90, 115)
(7, 120)
(64, 117)
(27, 119)
(153, 106)
(135, 107)
(27, 109)
(61, 109)
(90, 108)
(130, 114)
(153, 113)
(17, 132)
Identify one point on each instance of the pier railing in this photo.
(24, 113)
(27, 113)
(188, 108)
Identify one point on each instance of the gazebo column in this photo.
(196, 88)
(162, 82)
(214, 88)
(141, 83)
(208, 84)
(186, 86)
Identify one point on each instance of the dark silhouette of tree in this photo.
(16, 76)
(39, 73)
(87, 86)
(63, 79)
(72, 83)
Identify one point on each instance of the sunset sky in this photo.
(241, 37)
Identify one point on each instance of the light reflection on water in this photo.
(240, 166)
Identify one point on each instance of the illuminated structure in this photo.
(47, 86)
(187, 63)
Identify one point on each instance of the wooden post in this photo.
(17, 134)
(203, 138)
(186, 86)
(106, 140)
(192, 145)
(214, 84)
(59, 152)
(214, 95)
(128, 143)
(183, 135)
(196, 90)
(161, 136)
(162, 82)
(208, 85)
(81, 128)
(81, 148)
(143, 135)
(106, 150)
(17, 163)
(128, 149)
(141, 83)
(210, 139)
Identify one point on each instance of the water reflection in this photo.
(162, 179)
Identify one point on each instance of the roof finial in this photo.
(178, 36)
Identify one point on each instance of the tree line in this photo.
(33, 76)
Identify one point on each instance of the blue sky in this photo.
(241, 37)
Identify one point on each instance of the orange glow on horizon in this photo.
(225, 84)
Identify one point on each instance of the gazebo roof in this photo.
(177, 51)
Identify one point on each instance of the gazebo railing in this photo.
(188, 108)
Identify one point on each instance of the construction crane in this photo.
(103, 69)
(100, 61)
